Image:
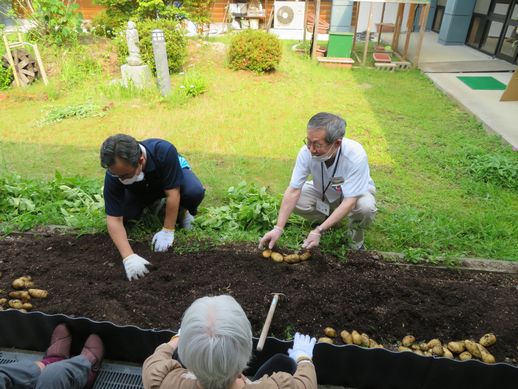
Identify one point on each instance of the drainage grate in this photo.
(111, 376)
(115, 376)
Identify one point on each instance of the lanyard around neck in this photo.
(332, 176)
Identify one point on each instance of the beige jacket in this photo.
(160, 371)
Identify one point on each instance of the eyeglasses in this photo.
(317, 146)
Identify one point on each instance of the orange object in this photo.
(381, 57)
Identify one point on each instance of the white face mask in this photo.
(323, 158)
(132, 180)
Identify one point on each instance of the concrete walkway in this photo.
(499, 117)
(442, 64)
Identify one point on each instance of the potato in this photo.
(472, 348)
(305, 256)
(15, 303)
(464, 356)
(373, 344)
(267, 253)
(424, 346)
(330, 332)
(408, 340)
(447, 353)
(27, 306)
(22, 282)
(20, 294)
(3, 301)
(292, 258)
(487, 357)
(419, 352)
(38, 293)
(365, 339)
(325, 339)
(403, 348)
(357, 339)
(488, 340)
(346, 337)
(434, 342)
(456, 347)
(277, 257)
(438, 350)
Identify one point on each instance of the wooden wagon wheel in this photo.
(25, 66)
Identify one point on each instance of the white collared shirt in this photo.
(353, 170)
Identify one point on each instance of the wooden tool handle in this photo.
(267, 323)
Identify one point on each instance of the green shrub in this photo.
(57, 22)
(176, 43)
(6, 78)
(255, 50)
(106, 24)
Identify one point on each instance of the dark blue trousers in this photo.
(192, 193)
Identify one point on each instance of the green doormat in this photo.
(482, 83)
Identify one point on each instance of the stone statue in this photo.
(134, 58)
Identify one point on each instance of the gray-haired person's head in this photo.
(120, 146)
(333, 125)
(215, 341)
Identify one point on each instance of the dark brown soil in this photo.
(84, 277)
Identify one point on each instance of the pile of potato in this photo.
(289, 258)
(353, 337)
(20, 299)
(462, 349)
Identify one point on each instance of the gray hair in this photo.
(216, 341)
(120, 146)
(334, 125)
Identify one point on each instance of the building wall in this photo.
(218, 10)
(88, 8)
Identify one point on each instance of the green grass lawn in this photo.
(249, 127)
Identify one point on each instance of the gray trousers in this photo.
(67, 374)
(361, 216)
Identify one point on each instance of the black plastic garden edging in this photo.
(349, 365)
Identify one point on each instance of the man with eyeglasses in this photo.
(139, 175)
(341, 185)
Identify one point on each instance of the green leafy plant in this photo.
(74, 202)
(250, 208)
(193, 84)
(160, 9)
(6, 77)
(254, 50)
(494, 168)
(176, 43)
(199, 10)
(106, 23)
(79, 111)
(57, 22)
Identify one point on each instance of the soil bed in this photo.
(84, 277)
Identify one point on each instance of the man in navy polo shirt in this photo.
(137, 175)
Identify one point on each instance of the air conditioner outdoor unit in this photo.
(289, 15)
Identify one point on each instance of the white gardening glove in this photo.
(313, 240)
(135, 266)
(271, 237)
(302, 347)
(163, 240)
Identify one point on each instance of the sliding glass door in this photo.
(493, 28)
